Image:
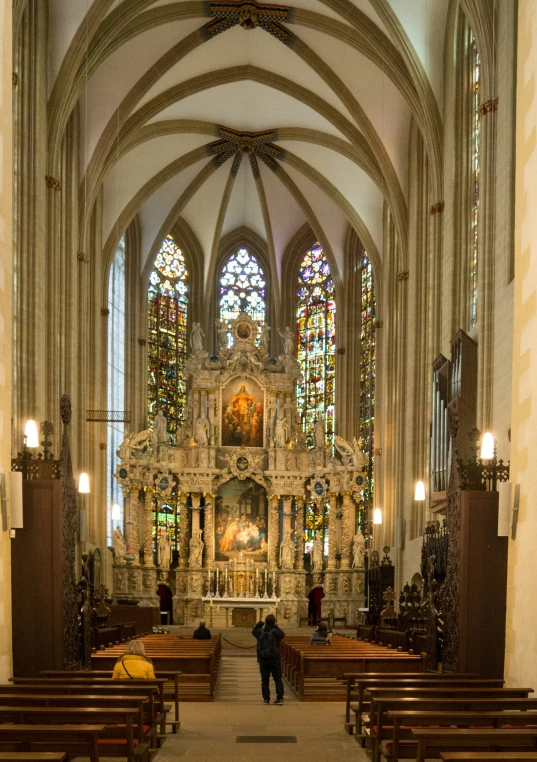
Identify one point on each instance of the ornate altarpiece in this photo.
(240, 471)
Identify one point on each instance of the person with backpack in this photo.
(268, 636)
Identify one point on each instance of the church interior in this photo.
(267, 349)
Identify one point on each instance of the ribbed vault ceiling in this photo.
(302, 114)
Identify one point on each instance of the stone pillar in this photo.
(183, 531)
(273, 527)
(208, 530)
(212, 417)
(348, 529)
(287, 514)
(332, 529)
(300, 525)
(133, 521)
(148, 527)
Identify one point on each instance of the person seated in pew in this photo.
(202, 633)
(134, 664)
(321, 636)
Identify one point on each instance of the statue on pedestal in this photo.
(120, 546)
(201, 431)
(288, 340)
(196, 338)
(287, 551)
(164, 551)
(265, 335)
(319, 434)
(317, 552)
(160, 435)
(196, 550)
(221, 333)
(358, 551)
(280, 432)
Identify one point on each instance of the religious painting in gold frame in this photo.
(242, 413)
(241, 521)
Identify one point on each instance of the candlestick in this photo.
(256, 582)
(208, 582)
(274, 584)
(217, 582)
(225, 585)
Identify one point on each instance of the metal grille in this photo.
(266, 739)
(114, 416)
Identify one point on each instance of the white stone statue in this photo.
(288, 340)
(358, 551)
(317, 552)
(202, 430)
(319, 434)
(133, 444)
(120, 546)
(265, 335)
(164, 551)
(351, 452)
(160, 435)
(221, 333)
(287, 551)
(196, 338)
(196, 550)
(280, 432)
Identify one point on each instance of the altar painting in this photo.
(242, 414)
(241, 521)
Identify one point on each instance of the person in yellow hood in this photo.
(134, 664)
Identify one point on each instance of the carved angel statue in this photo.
(221, 333)
(288, 340)
(265, 335)
(164, 551)
(280, 432)
(119, 545)
(160, 435)
(317, 552)
(134, 442)
(319, 433)
(358, 551)
(196, 338)
(351, 452)
(196, 550)
(202, 430)
(287, 551)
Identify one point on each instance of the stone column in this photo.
(348, 529)
(183, 531)
(133, 521)
(208, 530)
(212, 417)
(273, 527)
(332, 530)
(287, 507)
(299, 530)
(148, 527)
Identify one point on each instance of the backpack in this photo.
(267, 645)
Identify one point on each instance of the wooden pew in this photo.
(30, 756)
(74, 740)
(431, 741)
(487, 756)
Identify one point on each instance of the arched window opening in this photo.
(316, 328)
(166, 522)
(317, 520)
(476, 72)
(367, 387)
(116, 388)
(242, 288)
(167, 336)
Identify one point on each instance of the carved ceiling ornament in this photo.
(249, 15)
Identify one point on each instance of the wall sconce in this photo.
(419, 493)
(487, 446)
(31, 437)
(377, 516)
(83, 483)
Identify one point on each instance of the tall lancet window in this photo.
(116, 387)
(316, 328)
(242, 288)
(476, 71)
(167, 339)
(367, 384)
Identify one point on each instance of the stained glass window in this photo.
(116, 387)
(242, 289)
(168, 311)
(317, 520)
(166, 521)
(475, 183)
(316, 324)
(367, 386)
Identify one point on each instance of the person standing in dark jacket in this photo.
(268, 636)
(202, 633)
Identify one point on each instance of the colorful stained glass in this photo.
(242, 289)
(367, 387)
(475, 194)
(317, 519)
(167, 340)
(166, 521)
(316, 329)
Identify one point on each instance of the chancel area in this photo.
(267, 379)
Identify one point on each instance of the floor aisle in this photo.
(239, 681)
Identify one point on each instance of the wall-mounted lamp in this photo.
(31, 437)
(419, 493)
(487, 446)
(377, 516)
(83, 483)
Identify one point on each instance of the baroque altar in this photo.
(241, 476)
